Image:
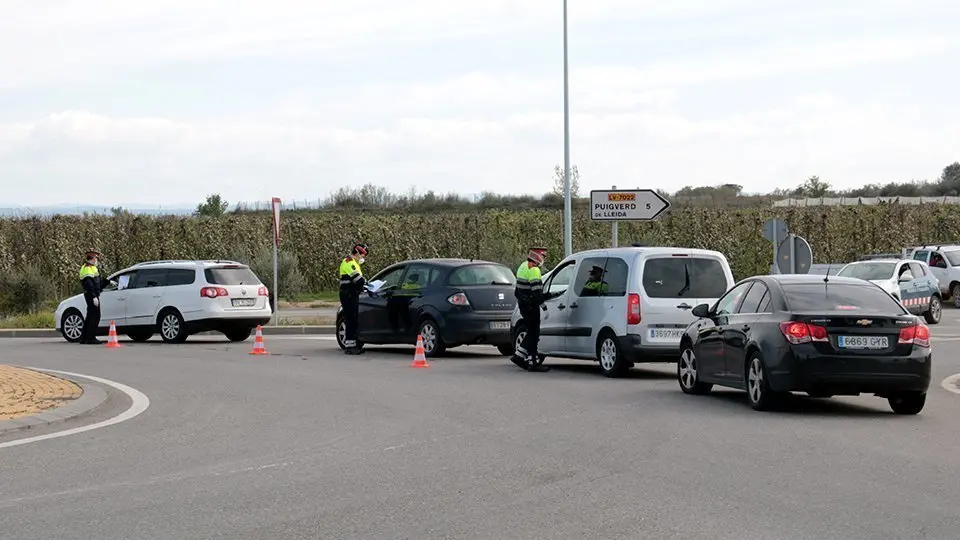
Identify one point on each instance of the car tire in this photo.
(71, 325)
(757, 383)
(610, 357)
(342, 334)
(433, 344)
(506, 349)
(907, 403)
(140, 336)
(955, 294)
(238, 334)
(171, 327)
(934, 314)
(688, 375)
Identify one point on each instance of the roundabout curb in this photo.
(92, 397)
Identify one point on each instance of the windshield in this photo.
(873, 270)
(482, 274)
(684, 277)
(233, 275)
(823, 297)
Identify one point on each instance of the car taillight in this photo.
(918, 335)
(458, 299)
(799, 332)
(213, 292)
(633, 308)
(262, 291)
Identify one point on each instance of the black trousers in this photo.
(91, 322)
(351, 307)
(531, 318)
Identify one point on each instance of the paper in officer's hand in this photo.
(374, 286)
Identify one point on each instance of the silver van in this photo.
(622, 306)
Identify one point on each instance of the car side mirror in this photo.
(702, 311)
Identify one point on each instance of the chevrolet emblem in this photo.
(864, 322)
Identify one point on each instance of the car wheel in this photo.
(907, 402)
(519, 334)
(238, 334)
(687, 374)
(932, 316)
(506, 349)
(140, 335)
(171, 327)
(955, 294)
(761, 397)
(432, 343)
(342, 333)
(612, 362)
(71, 325)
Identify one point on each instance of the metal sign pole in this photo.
(793, 253)
(776, 244)
(615, 230)
(275, 203)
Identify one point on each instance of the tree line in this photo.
(371, 196)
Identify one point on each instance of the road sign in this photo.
(794, 255)
(626, 205)
(775, 230)
(275, 204)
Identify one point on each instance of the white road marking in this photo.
(952, 384)
(139, 400)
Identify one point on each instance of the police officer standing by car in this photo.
(351, 285)
(529, 293)
(93, 284)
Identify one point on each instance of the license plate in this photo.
(863, 342)
(244, 302)
(665, 334)
(500, 325)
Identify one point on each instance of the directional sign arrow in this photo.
(626, 205)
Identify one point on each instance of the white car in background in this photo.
(911, 282)
(175, 299)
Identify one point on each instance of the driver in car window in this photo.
(595, 286)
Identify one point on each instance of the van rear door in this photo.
(672, 284)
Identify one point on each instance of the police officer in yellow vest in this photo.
(93, 284)
(352, 284)
(529, 293)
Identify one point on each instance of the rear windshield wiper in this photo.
(686, 281)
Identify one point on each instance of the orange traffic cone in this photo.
(258, 347)
(419, 358)
(112, 341)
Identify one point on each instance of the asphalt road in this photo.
(307, 313)
(308, 443)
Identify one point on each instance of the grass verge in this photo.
(41, 319)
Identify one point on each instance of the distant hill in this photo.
(69, 209)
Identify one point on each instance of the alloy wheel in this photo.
(688, 369)
(73, 326)
(608, 354)
(170, 327)
(755, 381)
(429, 334)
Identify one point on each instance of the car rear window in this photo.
(481, 274)
(882, 270)
(233, 275)
(814, 297)
(684, 277)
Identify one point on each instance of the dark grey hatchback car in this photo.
(450, 302)
(826, 336)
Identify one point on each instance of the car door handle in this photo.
(574, 305)
(685, 306)
(746, 327)
(561, 307)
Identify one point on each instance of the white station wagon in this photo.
(174, 299)
(622, 306)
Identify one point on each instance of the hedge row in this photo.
(837, 234)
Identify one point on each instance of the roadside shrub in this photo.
(25, 290)
(290, 280)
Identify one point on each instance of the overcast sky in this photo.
(161, 102)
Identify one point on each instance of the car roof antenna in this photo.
(826, 276)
